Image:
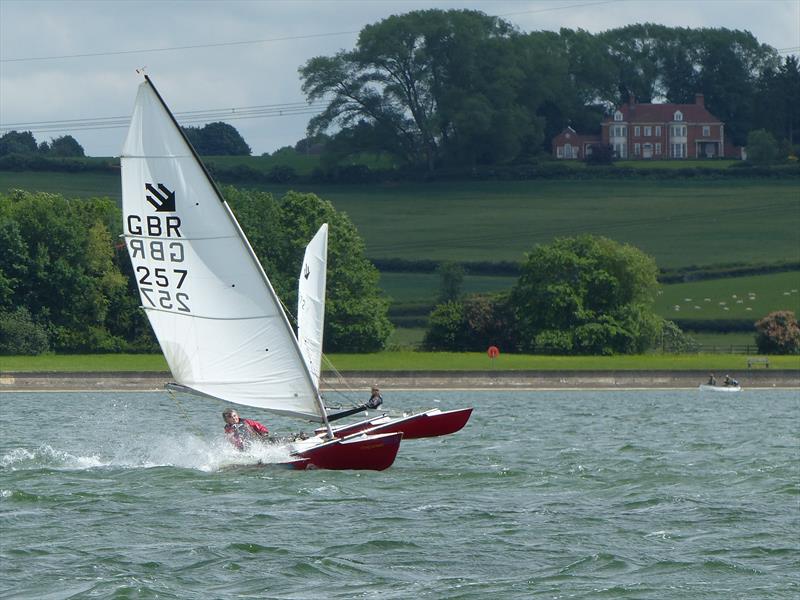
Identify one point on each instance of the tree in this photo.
(422, 80)
(586, 295)
(451, 280)
(66, 145)
(217, 139)
(762, 148)
(356, 314)
(778, 333)
(59, 263)
(18, 142)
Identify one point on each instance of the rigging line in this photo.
(174, 48)
(186, 416)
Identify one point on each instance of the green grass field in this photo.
(731, 298)
(680, 223)
(415, 361)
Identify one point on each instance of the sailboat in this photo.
(310, 327)
(217, 318)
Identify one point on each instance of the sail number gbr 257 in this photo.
(153, 241)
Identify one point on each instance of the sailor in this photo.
(242, 432)
(712, 380)
(375, 400)
(730, 381)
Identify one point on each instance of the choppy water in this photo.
(659, 494)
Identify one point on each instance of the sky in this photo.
(237, 61)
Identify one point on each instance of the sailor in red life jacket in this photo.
(242, 432)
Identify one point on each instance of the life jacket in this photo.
(244, 432)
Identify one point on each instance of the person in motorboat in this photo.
(242, 432)
(730, 381)
(375, 400)
(712, 380)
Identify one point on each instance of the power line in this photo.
(173, 48)
(196, 116)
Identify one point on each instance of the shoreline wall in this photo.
(388, 380)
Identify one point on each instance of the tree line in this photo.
(67, 285)
(436, 89)
(459, 87)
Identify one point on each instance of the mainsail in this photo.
(214, 312)
(311, 301)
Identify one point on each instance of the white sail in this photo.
(311, 301)
(213, 310)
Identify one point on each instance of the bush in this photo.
(20, 335)
(778, 333)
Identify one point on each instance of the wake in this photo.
(185, 451)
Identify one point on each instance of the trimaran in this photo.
(218, 320)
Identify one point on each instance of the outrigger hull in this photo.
(356, 452)
(431, 423)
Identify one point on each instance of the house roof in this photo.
(663, 113)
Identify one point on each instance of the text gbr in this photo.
(161, 287)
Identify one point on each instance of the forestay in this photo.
(213, 310)
(311, 301)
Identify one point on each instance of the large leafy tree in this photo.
(429, 83)
(586, 295)
(18, 142)
(217, 139)
(59, 263)
(356, 314)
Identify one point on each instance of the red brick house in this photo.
(652, 132)
(570, 145)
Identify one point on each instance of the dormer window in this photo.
(618, 116)
(678, 116)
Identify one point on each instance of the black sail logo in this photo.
(162, 199)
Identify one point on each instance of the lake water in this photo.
(623, 494)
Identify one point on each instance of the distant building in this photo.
(653, 132)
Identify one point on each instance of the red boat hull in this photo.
(360, 452)
(431, 423)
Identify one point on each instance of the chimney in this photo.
(698, 99)
(631, 99)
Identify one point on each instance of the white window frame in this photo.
(637, 131)
(637, 149)
(658, 148)
(658, 130)
(678, 116)
(648, 131)
(618, 116)
(706, 131)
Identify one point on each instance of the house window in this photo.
(658, 130)
(678, 150)
(678, 116)
(648, 131)
(618, 116)
(637, 131)
(637, 150)
(658, 148)
(560, 151)
(706, 131)
(679, 131)
(568, 151)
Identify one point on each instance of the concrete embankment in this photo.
(472, 380)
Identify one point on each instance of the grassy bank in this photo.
(419, 361)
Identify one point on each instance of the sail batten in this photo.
(220, 325)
